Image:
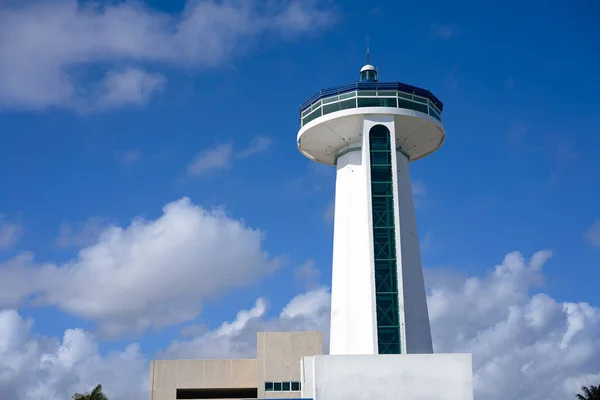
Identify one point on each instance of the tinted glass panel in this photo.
(411, 105)
(384, 241)
(377, 102)
(310, 117)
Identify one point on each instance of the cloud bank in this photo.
(51, 51)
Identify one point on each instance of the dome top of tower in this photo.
(368, 73)
(367, 67)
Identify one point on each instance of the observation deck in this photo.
(331, 120)
(370, 94)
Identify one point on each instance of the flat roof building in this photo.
(274, 373)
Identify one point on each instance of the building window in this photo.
(282, 386)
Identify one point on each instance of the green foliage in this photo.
(589, 393)
(95, 394)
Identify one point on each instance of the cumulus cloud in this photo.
(216, 158)
(130, 86)
(237, 339)
(129, 156)
(329, 213)
(46, 48)
(10, 233)
(525, 345)
(34, 367)
(221, 157)
(81, 235)
(593, 234)
(258, 145)
(308, 274)
(152, 273)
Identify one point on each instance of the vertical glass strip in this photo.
(384, 241)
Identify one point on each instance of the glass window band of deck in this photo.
(369, 98)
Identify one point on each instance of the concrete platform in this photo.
(382, 377)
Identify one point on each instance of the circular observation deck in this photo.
(332, 120)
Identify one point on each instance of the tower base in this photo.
(383, 377)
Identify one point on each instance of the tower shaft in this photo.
(378, 301)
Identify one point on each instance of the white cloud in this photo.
(237, 339)
(221, 157)
(46, 47)
(216, 158)
(419, 190)
(545, 346)
(329, 213)
(10, 233)
(18, 279)
(593, 234)
(515, 336)
(130, 86)
(258, 145)
(149, 274)
(526, 346)
(34, 367)
(129, 156)
(308, 274)
(81, 235)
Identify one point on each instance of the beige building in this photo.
(274, 373)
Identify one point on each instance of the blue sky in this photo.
(95, 138)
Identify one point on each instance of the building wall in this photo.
(278, 360)
(414, 313)
(166, 376)
(383, 377)
(353, 320)
(279, 355)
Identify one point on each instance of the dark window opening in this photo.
(228, 393)
(384, 241)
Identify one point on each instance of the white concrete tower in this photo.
(370, 131)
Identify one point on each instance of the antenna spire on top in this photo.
(368, 51)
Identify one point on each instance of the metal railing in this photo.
(399, 86)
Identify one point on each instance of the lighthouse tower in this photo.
(371, 131)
